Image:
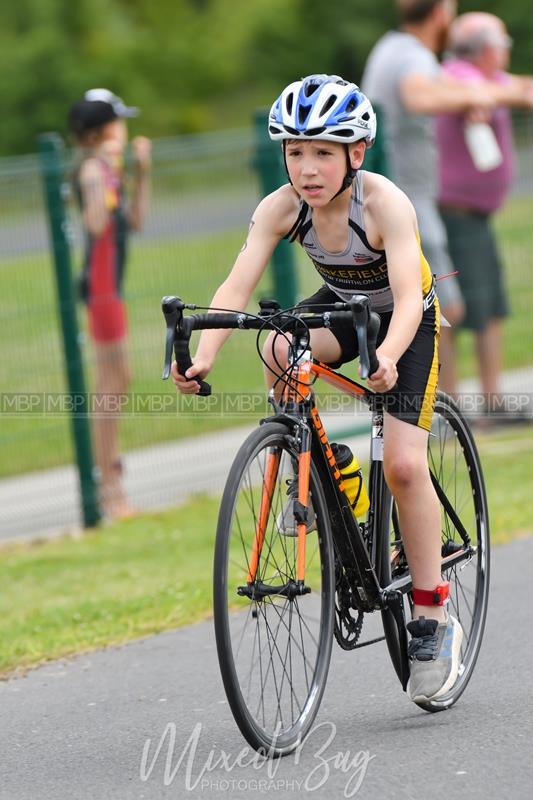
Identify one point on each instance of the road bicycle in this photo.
(280, 600)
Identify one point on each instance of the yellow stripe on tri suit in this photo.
(427, 277)
(428, 401)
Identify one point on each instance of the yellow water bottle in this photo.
(352, 477)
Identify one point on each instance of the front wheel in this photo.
(273, 640)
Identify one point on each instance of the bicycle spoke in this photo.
(274, 649)
(302, 649)
(300, 622)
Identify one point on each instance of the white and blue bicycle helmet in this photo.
(326, 108)
(323, 107)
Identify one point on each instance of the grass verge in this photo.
(153, 573)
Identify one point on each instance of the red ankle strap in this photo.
(432, 597)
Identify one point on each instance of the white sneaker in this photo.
(434, 652)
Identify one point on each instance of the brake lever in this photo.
(367, 328)
(373, 326)
(172, 307)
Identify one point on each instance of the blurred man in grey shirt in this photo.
(403, 77)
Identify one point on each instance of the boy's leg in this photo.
(407, 475)
(435, 646)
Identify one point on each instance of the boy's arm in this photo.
(396, 220)
(271, 220)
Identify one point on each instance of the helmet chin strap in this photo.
(347, 180)
(284, 143)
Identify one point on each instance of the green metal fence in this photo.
(204, 190)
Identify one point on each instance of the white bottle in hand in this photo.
(483, 146)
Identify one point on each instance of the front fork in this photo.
(296, 390)
(301, 507)
(269, 482)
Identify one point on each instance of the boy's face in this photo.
(317, 168)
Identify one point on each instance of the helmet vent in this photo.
(351, 105)
(314, 132)
(330, 102)
(292, 131)
(303, 113)
(289, 102)
(311, 88)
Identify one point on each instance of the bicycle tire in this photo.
(273, 708)
(454, 461)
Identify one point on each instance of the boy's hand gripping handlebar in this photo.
(178, 337)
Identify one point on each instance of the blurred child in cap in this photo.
(98, 122)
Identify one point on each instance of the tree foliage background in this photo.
(191, 65)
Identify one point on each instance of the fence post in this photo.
(51, 155)
(269, 165)
(376, 158)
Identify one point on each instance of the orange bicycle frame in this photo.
(298, 389)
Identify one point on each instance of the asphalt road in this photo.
(78, 729)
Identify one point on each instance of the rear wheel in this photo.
(273, 642)
(458, 479)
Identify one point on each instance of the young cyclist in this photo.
(98, 122)
(361, 233)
